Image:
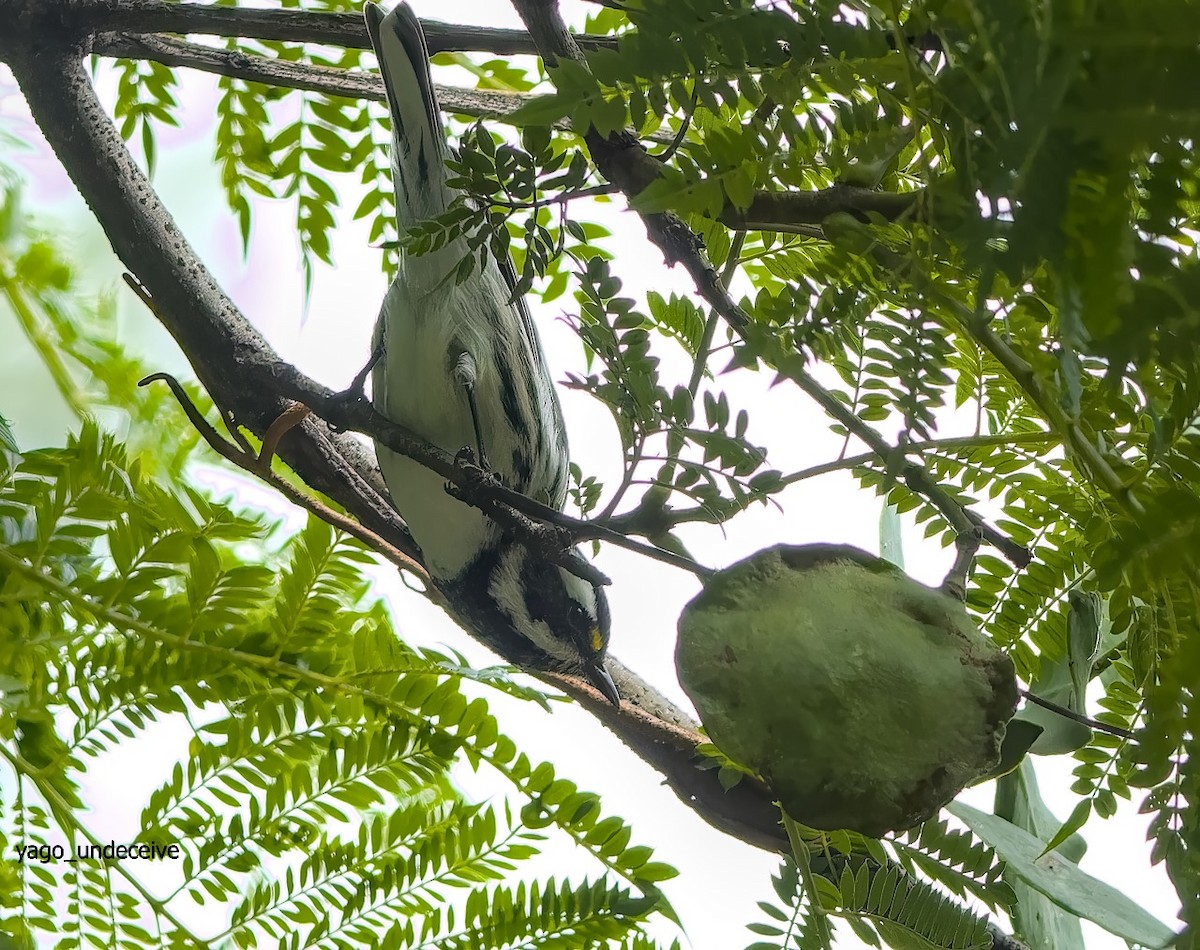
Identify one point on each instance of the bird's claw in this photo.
(356, 392)
(466, 459)
(346, 399)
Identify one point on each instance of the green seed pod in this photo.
(865, 699)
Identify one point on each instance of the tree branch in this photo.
(225, 349)
(45, 45)
(914, 474)
(295, 26)
(787, 212)
(279, 72)
(260, 467)
(792, 210)
(653, 520)
(623, 160)
(327, 80)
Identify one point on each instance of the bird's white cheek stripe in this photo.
(506, 591)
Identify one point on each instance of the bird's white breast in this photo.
(427, 322)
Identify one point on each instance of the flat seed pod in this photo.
(864, 698)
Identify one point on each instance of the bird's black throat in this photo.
(469, 593)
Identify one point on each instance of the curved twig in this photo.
(259, 466)
(1077, 717)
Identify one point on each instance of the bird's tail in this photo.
(418, 136)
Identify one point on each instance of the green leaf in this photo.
(655, 871)
(1083, 639)
(1037, 918)
(1077, 819)
(541, 110)
(1063, 882)
(891, 547)
(1019, 737)
(8, 441)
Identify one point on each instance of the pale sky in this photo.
(721, 878)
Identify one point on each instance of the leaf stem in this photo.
(710, 325)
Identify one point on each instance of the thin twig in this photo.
(966, 547)
(914, 475)
(562, 198)
(634, 460)
(700, 362)
(1076, 717)
(673, 146)
(253, 464)
(645, 523)
(284, 423)
(978, 326)
(481, 491)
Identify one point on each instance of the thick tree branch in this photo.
(225, 349)
(279, 72)
(660, 734)
(327, 80)
(792, 210)
(295, 26)
(45, 47)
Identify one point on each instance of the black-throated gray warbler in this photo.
(462, 365)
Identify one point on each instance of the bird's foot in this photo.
(466, 459)
(356, 392)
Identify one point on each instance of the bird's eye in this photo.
(578, 614)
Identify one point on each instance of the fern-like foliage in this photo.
(145, 97)
(313, 805)
(877, 902)
(956, 859)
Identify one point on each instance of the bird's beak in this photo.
(598, 676)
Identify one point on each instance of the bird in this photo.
(460, 364)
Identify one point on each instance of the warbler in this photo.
(460, 364)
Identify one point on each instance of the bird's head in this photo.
(539, 615)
